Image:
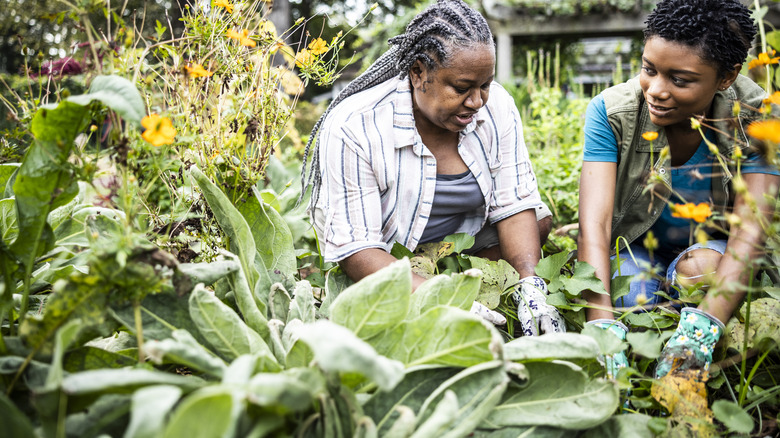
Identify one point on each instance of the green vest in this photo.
(638, 204)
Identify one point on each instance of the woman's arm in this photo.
(597, 196)
(745, 243)
(518, 237)
(367, 261)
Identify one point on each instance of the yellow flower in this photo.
(197, 71)
(267, 28)
(764, 59)
(224, 4)
(699, 213)
(650, 135)
(765, 130)
(242, 37)
(159, 130)
(304, 58)
(318, 47)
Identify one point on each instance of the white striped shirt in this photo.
(379, 179)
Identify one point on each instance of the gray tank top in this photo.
(456, 195)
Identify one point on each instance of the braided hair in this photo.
(722, 30)
(429, 37)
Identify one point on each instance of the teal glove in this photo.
(613, 362)
(692, 343)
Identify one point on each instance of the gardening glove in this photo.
(533, 312)
(612, 362)
(692, 343)
(490, 316)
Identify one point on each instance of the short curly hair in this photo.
(723, 30)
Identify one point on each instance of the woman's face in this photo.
(448, 98)
(677, 83)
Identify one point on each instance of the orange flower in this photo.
(304, 58)
(650, 135)
(197, 71)
(318, 47)
(774, 98)
(224, 4)
(159, 130)
(765, 130)
(699, 213)
(242, 37)
(764, 59)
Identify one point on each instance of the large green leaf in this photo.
(377, 302)
(72, 231)
(218, 405)
(6, 172)
(557, 395)
(44, 180)
(107, 416)
(272, 236)
(124, 380)
(93, 358)
(457, 290)
(336, 349)
(445, 412)
(550, 267)
(478, 390)
(209, 273)
(584, 278)
(647, 344)
(222, 327)
(386, 408)
(117, 93)
(9, 228)
(552, 346)
(298, 354)
(524, 432)
(764, 328)
(302, 304)
(443, 336)
(624, 425)
(15, 423)
(183, 349)
(250, 307)
(161, 315)
(733, 416)
(284, 393)
(497, 278)
(79, 297)
(150, 406)
(63, 338)
(232, 223)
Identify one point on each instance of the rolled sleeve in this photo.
(349, 197)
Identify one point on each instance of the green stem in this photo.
(743, 367)
(139, 334)
(743, 394)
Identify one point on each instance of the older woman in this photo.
(694, 50)
(412, 151)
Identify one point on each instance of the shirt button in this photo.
(662, 171)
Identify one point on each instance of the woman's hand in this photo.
(533, 312)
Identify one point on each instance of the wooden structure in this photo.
(510, 23)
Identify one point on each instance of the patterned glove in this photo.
(692, 343)
(490, 316)
(612, 362)
(534, 313)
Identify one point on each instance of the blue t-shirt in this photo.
(692, 181)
